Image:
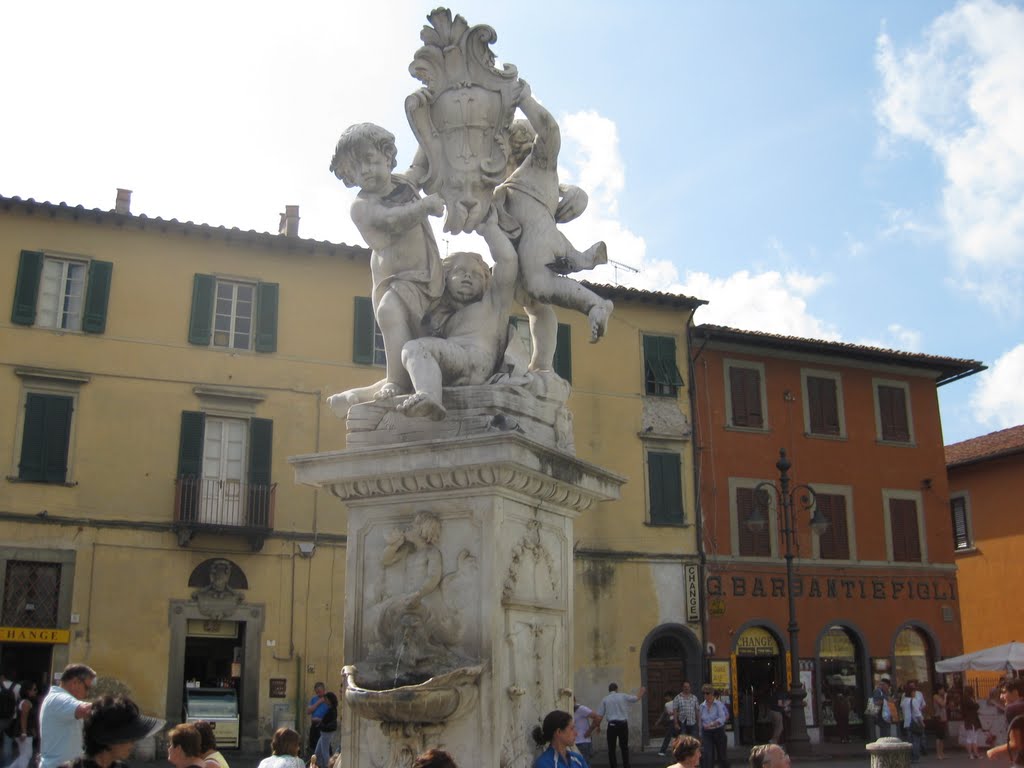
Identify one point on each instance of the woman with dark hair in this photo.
(212, 758)
(972, 722)
(328, 725)
(285, 749)
(939, 705)
(185, 747)
(110, 731)
(24, 728)
(686, 751)
(434, 758)
(559, 732)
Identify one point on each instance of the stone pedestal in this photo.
(460, 570)
(889, 752)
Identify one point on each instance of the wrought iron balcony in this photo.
(223, 507)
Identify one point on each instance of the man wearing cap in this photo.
(61, 715)
(881, 697)
(110, 732)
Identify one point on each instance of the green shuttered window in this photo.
(664, 481)
(661, 374)
(233, 314)
(46, 438)
(67, 294)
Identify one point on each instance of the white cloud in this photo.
(897, 337)
(998, 397)
(960, 92)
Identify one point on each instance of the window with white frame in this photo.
(904, 526)
(232, 314)
(835, 504)
(823, 403)
(745, 396)
(744, 501)
(893, 422)
(61, 294)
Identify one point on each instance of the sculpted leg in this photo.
(422, 359)
(392, 317)
(544, 333)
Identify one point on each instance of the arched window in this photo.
(913, 656)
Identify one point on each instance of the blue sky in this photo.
(837, 170)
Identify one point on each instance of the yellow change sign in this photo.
(34, 635)
(757, 641)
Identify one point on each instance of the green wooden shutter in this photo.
(266, 317)
(97, 296)
(44, 442)
(190, 445)
(261, 438)
(563, 352)
(200, 327)
(362, 331)
(26, 289)
(663, 474)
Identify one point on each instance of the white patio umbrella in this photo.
(996, 659)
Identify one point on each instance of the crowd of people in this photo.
(68, 729)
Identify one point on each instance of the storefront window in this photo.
(913, 660)
(842, 689)
(759, 671)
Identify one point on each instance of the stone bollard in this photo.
(889, 752)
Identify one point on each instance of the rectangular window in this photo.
(834, 543)
(31, 594)
(904, 529)
(664, 482)
(744, 396)
(661, 374)
(233, 314)
(562, 362)
(823, 412)
(367, 339)
(751, 543)
(224, 470)
(962, 538)
(46, 438)
(63, 293)
(893, 414)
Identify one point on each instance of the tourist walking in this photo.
(667, 720)
(713, 717)
(317, 707)
(970, 708)
(586, 721)
(686, 704)
(768, 756)
(110, 732)
(912, 705)
(939, 701)
(686, 752)
(61, 716)
(615, 710)
(328, 725)
(212, 758)
(185, 746)
(882, 696)
(24, 728)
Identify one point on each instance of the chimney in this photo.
(124, 201)
(289, 221)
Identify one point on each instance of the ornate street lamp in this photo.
(803, 496)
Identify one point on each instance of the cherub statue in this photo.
(470, 325)
(405, 265)
(528, 203)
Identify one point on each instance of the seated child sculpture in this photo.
(405, 265)
(528, 202)
(470, 324)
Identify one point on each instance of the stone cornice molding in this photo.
(511, 463)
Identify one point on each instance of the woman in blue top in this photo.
(559, 733)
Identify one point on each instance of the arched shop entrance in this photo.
(914, 655)
(760, 667)
(843, 687)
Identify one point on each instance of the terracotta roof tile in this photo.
(990, 446)
(947, 368)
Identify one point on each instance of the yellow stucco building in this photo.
(156, 376)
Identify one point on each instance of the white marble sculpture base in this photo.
(505, 506)
(535, 408)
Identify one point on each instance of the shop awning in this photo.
(996, 659)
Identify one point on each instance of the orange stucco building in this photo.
(876, 593)
(986, 485)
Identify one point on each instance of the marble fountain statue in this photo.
(460, 475)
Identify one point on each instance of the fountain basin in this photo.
(436, 700)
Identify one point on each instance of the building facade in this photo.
(876, 592)
(157, 375)
(986, 484)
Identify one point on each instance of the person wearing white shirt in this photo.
(61, 715)
(614, 709)
(713, 716)
(912, 706)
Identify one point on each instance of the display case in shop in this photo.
(217, 706)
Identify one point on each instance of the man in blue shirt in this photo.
(713, 717)
(316, 710)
